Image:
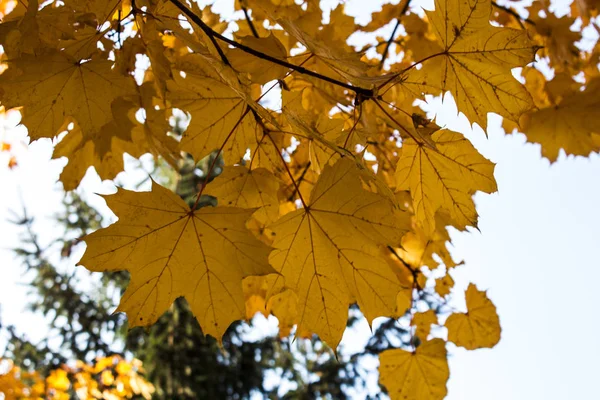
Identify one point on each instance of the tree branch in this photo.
(414, 272)
(513, 13)
(249, 21)
(393, 35)
(214, 35)
(205, 28)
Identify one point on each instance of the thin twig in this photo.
(214, 163)
(409, 133)
(287, 168)
(513, 13)
(393, 35)
(300, 179)
(249, 21)
(207, 30)
(413, 272)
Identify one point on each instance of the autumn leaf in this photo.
(559, 40)
(260, 70)
(444, 178)
(571, 123)
(479, 327)
(475, 62)
(422, 323)
(173, 252)
(421, 249)
(307, 140)
(83, 153)
(254, 189)
(444, 285)
(418, 375)
(220, 116)
(52, 87)
(328, 251)
(102, 9)
(336, 59)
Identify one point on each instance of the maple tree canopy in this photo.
(336, 188)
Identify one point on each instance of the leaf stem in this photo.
(411, 66)
(396, 122)
(212, 165)
(287, 168)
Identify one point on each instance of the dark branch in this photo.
(393, 35)
(249, 21)
(513, 13)
(414, 272)
(214, 35)
(205, 28)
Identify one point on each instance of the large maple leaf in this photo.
(328, 252)
(53, 86)
(444, 178)
(479, 327)
(170, 252)
(418, 375)
(571, 123)
(476, 61)
(220, 116)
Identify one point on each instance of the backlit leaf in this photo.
(328, 252)
(418, 375)
(52, 87)
(479, 327)
(444, 178)
(476, 61)
(173, 252)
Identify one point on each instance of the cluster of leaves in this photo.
(341, 193)
(179, 360)
(108, 378)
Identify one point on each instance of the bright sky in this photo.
(536, 253)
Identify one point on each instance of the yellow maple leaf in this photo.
(571, 123)
(171, 252)
(260, 70)
(82, 154)
(255, 290)
(418, 375)
(219, 114)
(382, 17)
(444, 178)
(422, 322)
(53, 86)
(238, 186)
(444, 285)
(479, 327)
(337, 59)
(559, 40)
(475, 62)
(102, 9)
(328, 252)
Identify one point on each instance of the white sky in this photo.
(536, 252)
